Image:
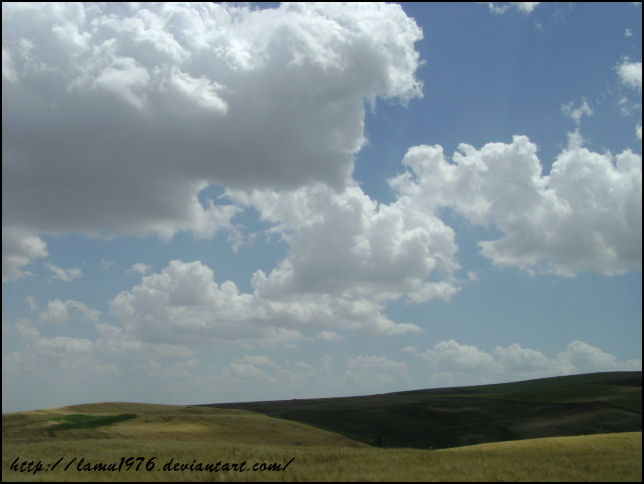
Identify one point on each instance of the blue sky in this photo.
(210, 203)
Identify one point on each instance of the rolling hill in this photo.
(117, 441)
(448, 417)
(111, 420)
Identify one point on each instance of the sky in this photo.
(208, 203)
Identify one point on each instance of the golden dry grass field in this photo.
(233, 445)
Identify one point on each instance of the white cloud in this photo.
(452, 356)
(33, 306)
(58, 311)
(255, 368)
(66, 275)
(260, 360)
(382, 370)
(63, 346)
(184, 304)
(526, 7)
(586, 215)
(114, 340)
(577, 114)
(580, 357)
(61, 370)
(523, 7)
(106, 264)
(27, 331)
(349, 256)
(140, 268)
(242, 378)
(19, 248)
(329, 336)
(452, 363)
(630, 74)
(138, 109)
(346, 245)
(8, 68)
(521, 361)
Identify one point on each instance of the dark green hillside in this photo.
(447, 417)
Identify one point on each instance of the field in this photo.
(144, 442)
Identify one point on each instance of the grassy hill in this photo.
(143, 442)
(449, 417)
(162, 422)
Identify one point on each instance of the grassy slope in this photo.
(179, 423)
(449, 417)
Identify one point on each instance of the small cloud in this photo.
(630, 74)
(58, 311)
(523, 7)
(19, 248)
(581, 357)
(329, 336)
(8, 68)
(638, 132)
(63, 346)
(526, 7)
(26, 330)
(259, 360)
(106, 264)
(66, 275)
(32, 303)
(628, 33)
(141, 268)
(577, 114)
(627, 108)
(376, 368)
(410, 349)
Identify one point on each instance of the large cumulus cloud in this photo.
(347, 244)
(185, 304)
(116, 116)
(585, 215)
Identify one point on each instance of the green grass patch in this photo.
(84, 421)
